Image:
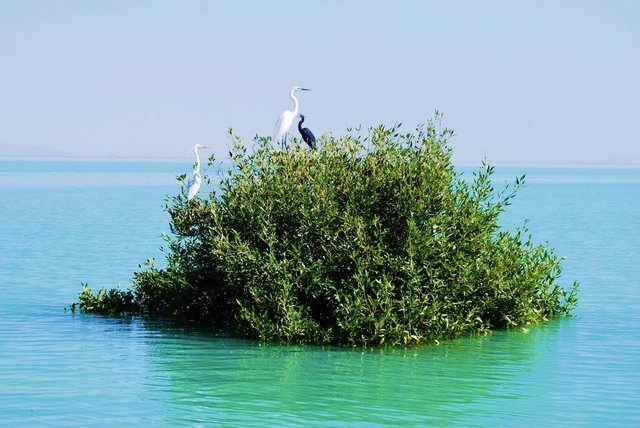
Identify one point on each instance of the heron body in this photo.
(306, 134)
(193, 185)
(286, 118)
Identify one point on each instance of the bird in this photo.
(286, 118)
(306, 133)
(193, 185)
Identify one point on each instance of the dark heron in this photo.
(306, 133)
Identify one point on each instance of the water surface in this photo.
(64, 223)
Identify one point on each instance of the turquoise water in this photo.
(64, 223)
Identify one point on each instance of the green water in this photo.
(67, 222)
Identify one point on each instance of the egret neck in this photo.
(195, 150)
(295, 102)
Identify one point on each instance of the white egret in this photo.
(193, 185)
(286, 118)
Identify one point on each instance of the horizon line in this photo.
(507, 163)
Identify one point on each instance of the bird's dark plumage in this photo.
(306, 134)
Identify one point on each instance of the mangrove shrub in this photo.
(372, 239)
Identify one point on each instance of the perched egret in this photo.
(306, 133)
(286, 118)
(193, 185)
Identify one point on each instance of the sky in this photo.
(518, 81)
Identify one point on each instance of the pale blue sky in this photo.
(519, 81)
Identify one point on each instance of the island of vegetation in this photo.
(372, 239)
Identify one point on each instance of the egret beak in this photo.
(304, 89)
(194, 147)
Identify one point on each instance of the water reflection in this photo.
(233, 381)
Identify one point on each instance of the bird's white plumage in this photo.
(284, 123)
(193, 185)
(286, 119)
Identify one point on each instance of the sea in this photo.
(68, 222)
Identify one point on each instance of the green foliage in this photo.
(109, 302)
(373, 239)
